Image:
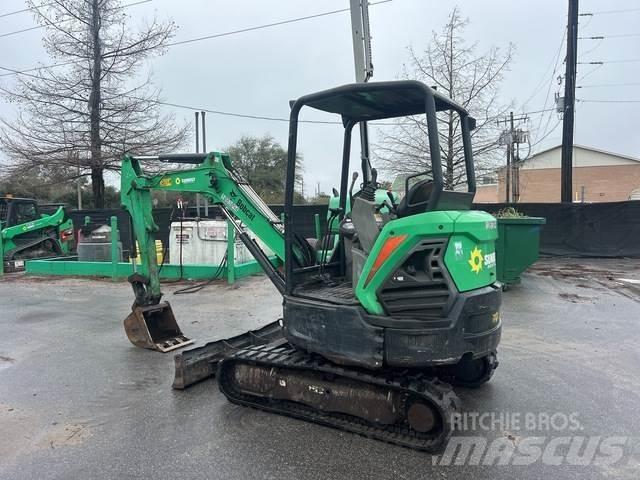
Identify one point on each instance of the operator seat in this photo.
(416, 199)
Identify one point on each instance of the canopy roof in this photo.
(378, 100)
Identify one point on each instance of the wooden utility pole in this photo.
(511, 155)
(566, 167)
(514, 138)
(507, 177)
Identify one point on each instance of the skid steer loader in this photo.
(375, 332)
(25, 233)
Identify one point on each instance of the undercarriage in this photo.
(411, 409)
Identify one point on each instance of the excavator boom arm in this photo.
(213, 177)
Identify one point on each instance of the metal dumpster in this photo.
(517, 247)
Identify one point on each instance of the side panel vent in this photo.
(421, 288)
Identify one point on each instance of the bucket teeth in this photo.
(155, 327)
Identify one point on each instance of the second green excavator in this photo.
(375, 329)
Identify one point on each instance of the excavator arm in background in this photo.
(151, 323)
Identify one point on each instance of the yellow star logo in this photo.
(476, 260)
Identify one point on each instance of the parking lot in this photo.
(77, 400)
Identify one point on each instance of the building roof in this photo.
(583, 147)
(591, 149)
(532, 164)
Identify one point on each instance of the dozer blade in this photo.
(198, 363)
(155, 327)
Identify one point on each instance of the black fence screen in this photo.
(304, 220)
(579, 229)
(584, 229)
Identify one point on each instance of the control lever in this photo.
(392, 200)
(389, 202)
(354, 177)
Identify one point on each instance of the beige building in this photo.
(598, 176)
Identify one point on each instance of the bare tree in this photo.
(80, 117)
(472, 80)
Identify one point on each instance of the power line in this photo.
(15, 32)
(533, 112)
(239, 115)
(26, 72)
(602, 62)
(632, 60)
(208, 37)
(632, 84)
(37, 27)
(617, 35)
(607, 101)
(536, 143)
(606, 12)
(591, 50)
(538, 111)
(544, 75)
(2, 15)
(235, 114)
(268, 25)
(597, 67)
(623, 35)
(270, 118)
(547, 133)
(546, 98)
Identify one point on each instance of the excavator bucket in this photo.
(155, 327)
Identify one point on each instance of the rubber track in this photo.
(416, 385)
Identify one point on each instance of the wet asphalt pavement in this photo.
(77, 400)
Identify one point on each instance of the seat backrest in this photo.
(416, 199)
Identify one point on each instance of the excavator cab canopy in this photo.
(365, 102)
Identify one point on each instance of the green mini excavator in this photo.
(377, 328)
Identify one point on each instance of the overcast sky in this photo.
(259, 72)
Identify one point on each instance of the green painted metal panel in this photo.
(414, 228)
(518, 246)
(69, 266)
(470, 255)
(1, 254)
